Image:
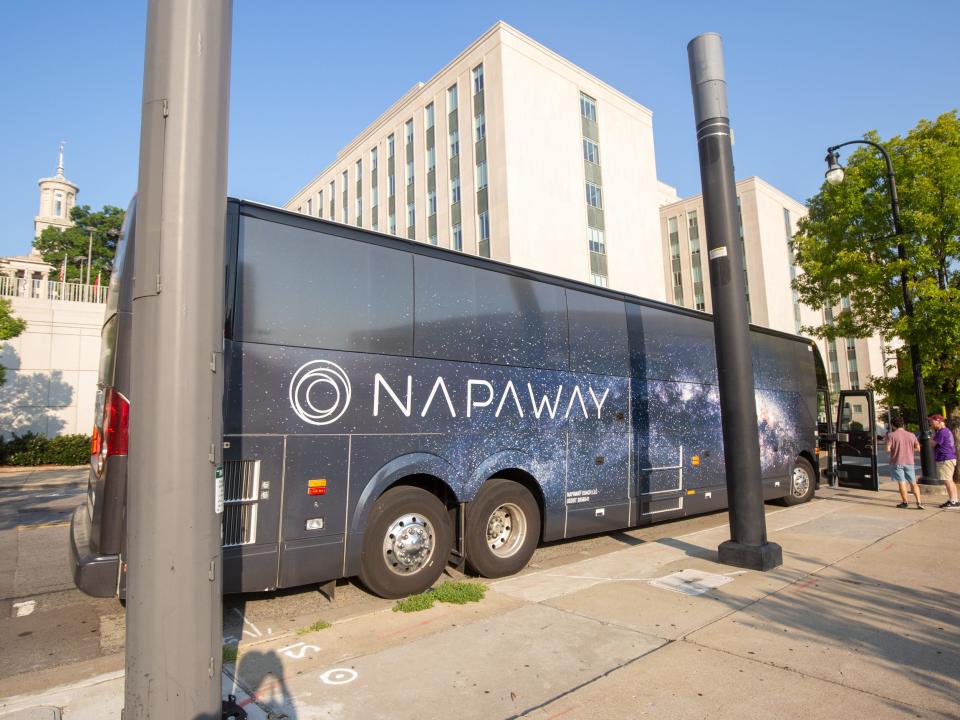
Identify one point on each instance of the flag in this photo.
(96, 285)
(63, 269)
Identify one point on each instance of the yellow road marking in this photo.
(42, 525)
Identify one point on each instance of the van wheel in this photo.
(801, 483)
(502, 528)
(406, 543)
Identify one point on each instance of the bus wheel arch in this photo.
(503, 524)
(803, 480)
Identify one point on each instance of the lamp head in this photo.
(834, 174)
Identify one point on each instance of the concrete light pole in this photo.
(89, 251)
(174, 603)
(747, 546)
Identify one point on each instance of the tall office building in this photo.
(509, 152)
(768, 222)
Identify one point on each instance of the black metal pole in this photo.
(928, 466)
(748, 546)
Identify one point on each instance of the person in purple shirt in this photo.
(902, 445)
(945, 453)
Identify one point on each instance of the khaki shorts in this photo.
(945, 470)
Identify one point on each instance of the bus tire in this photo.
(502, 528)
(406, 543)
(802, 483)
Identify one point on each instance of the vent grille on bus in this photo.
(241, 489)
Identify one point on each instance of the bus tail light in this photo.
(116, 424)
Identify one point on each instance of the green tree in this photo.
(847, 249)
(54, 243)
(10, 327)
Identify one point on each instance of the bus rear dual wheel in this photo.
(409, 536)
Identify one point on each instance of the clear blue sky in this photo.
(309, 75)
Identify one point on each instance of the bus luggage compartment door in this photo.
(597, 492)
(856, 453)
(314, 506)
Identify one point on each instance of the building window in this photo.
(480, 121)
(58, 204)
(391, 146)
(359, 170)
(451, 98)
(591, 151)
(433, 239)
(431, 159)
(673, 234)
(454, 143)
(482, 175)
(852, 364)
(359, 209)
(455, 191)
(594, 195)
(374, 198)
(432, 203)
(309, 206)
(457, 235)
(484, 225)
(696, 264)
(588, 107)
(320, 204)
(595, 240)
(333, 199)
(391, 185)
(343, 205)
(477, 79)
(411, 215)
(409, 130)
(428, 117)
(409, 171)
(392, 223)
(373, 160)
(600, 280)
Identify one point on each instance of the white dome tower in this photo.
(57, 197)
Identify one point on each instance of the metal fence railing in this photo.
(51, 290)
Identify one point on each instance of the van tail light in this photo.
(116, 424)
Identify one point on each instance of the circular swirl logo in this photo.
(320, 392)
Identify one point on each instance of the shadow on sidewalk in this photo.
(910, 631)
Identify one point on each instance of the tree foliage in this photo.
(847, 249)
(54, 243)
(10, 327)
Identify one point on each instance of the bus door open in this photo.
(856, 447)
(826, 440)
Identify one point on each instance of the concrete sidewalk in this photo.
(860, 621)
(43, 476)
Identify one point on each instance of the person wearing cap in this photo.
(902, 445)
(945, 453)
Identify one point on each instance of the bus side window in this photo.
(598, 334)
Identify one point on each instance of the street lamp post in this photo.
(834, 176)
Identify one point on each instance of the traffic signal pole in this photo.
(747, 546)
(174, 605)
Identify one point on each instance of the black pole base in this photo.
(927, 480)
(753, 557)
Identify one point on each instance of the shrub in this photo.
(33, 449)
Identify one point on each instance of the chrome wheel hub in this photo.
(506, 530)
(408, 544)
(801, 482)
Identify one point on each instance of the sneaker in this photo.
(951, 505)
(903, 506)
(920, 507)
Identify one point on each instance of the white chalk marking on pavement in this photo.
(298, 651)
(25, 608)
(339, 676)
(254, 631)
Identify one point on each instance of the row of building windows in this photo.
(593, 190)
(453, 139)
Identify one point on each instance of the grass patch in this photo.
(229, 653)
(457, 593)
(317, 626)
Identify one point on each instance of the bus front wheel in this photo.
(406, 543)
(802, 483)
(502, 528)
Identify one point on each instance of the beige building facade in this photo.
(768, 222)
(509, 152)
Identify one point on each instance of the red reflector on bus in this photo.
(116, 423)
(317, 491)
(95, 441)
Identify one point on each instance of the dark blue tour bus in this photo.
(391, 407)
